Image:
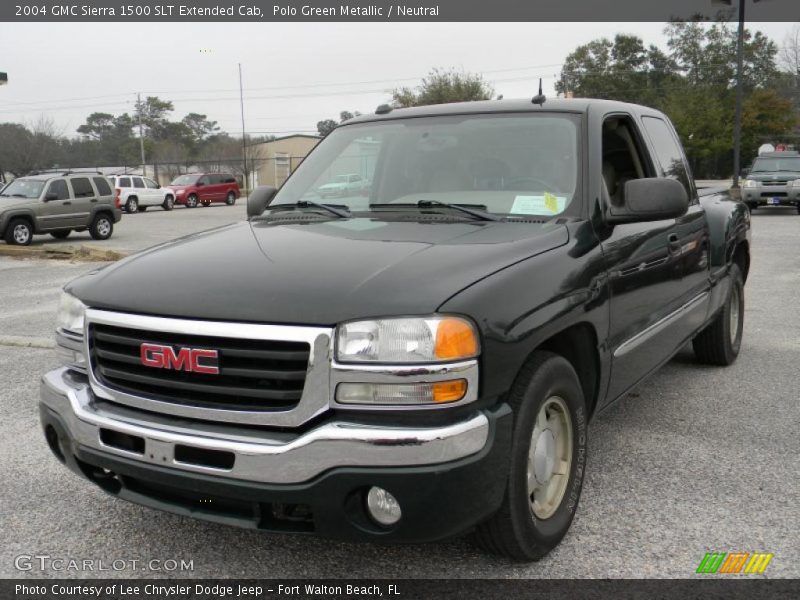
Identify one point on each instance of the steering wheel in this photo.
(524, 184)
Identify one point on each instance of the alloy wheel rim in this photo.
(103, 227)
(134, 205)
(21, 234)
(549, 458)
(734, 313)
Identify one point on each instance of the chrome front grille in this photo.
(253, 374)
(275, 375)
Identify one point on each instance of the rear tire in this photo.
(19, 232)
(61, 235)
(230, 199)
(102, 227)
(132, 205)
(534, 516)
(169, 203)
(191, 201)
(719, 343)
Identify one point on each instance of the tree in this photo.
(693, 82)
(326, 126)
(442, 87)
(154, 114)
(28, 148)
(199, 127)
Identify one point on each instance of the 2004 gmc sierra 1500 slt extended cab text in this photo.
(419, 359)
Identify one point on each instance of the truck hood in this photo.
(774, 176)
(318, 273)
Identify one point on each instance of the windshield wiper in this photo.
(464, 208)
(339, 212)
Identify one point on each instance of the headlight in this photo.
(407, 340)
(70, 313)
(750, 183)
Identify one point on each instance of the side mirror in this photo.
(259, 198)
(650, 199)
(50, 196)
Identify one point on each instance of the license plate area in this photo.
(775, 200)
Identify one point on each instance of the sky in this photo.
(294, 74)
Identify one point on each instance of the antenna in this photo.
(539, 98)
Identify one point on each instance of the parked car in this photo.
(773, 180)
(57, 203)
(342, 186)
(204, 188)
(136, 193)
(419, 366)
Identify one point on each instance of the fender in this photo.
(729, 226)
(542, 296)
(6, 216)
(115, 213)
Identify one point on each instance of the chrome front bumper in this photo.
(259, 455)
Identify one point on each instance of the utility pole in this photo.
(244, 138)
(141, 132)
(737, 119)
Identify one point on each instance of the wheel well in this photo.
(741, 257)
(103, 211)
(132, 197)
(578, 344)
(26, 218)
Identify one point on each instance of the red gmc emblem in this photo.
(185, 359)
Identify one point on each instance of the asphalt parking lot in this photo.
(697, 459)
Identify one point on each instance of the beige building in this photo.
(277, 159)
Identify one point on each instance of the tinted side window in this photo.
(151, 184)
(81, 188)
(217, 179)
(137, 182)
(102, 186)
(204, 180)
(668, 151)
(59, 187)
(124, 182)
(229, 179)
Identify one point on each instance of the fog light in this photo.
(382, 506)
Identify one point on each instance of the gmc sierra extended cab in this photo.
(417, 361)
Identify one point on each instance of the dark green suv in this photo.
(57, 203)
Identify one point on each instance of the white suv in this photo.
(135, 193)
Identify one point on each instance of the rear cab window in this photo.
(103, 188)
(82, 187)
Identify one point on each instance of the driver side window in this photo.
(623, 159)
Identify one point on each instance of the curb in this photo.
(62, 252)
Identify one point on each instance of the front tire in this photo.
(230, 199)
(548, 458)
(191, 201)
(102, 227)
(719, 343)
(169, 203)
(19, 233)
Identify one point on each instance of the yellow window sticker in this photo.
(548, 204)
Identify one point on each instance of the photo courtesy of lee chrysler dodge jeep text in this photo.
(416, 359)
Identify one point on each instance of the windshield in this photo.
(185, 180)
(23, 188)
(507, 164)
(771, 165)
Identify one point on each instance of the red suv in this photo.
(205, 188)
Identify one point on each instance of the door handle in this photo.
(67, 203)
(674, 243)
(93, 200)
